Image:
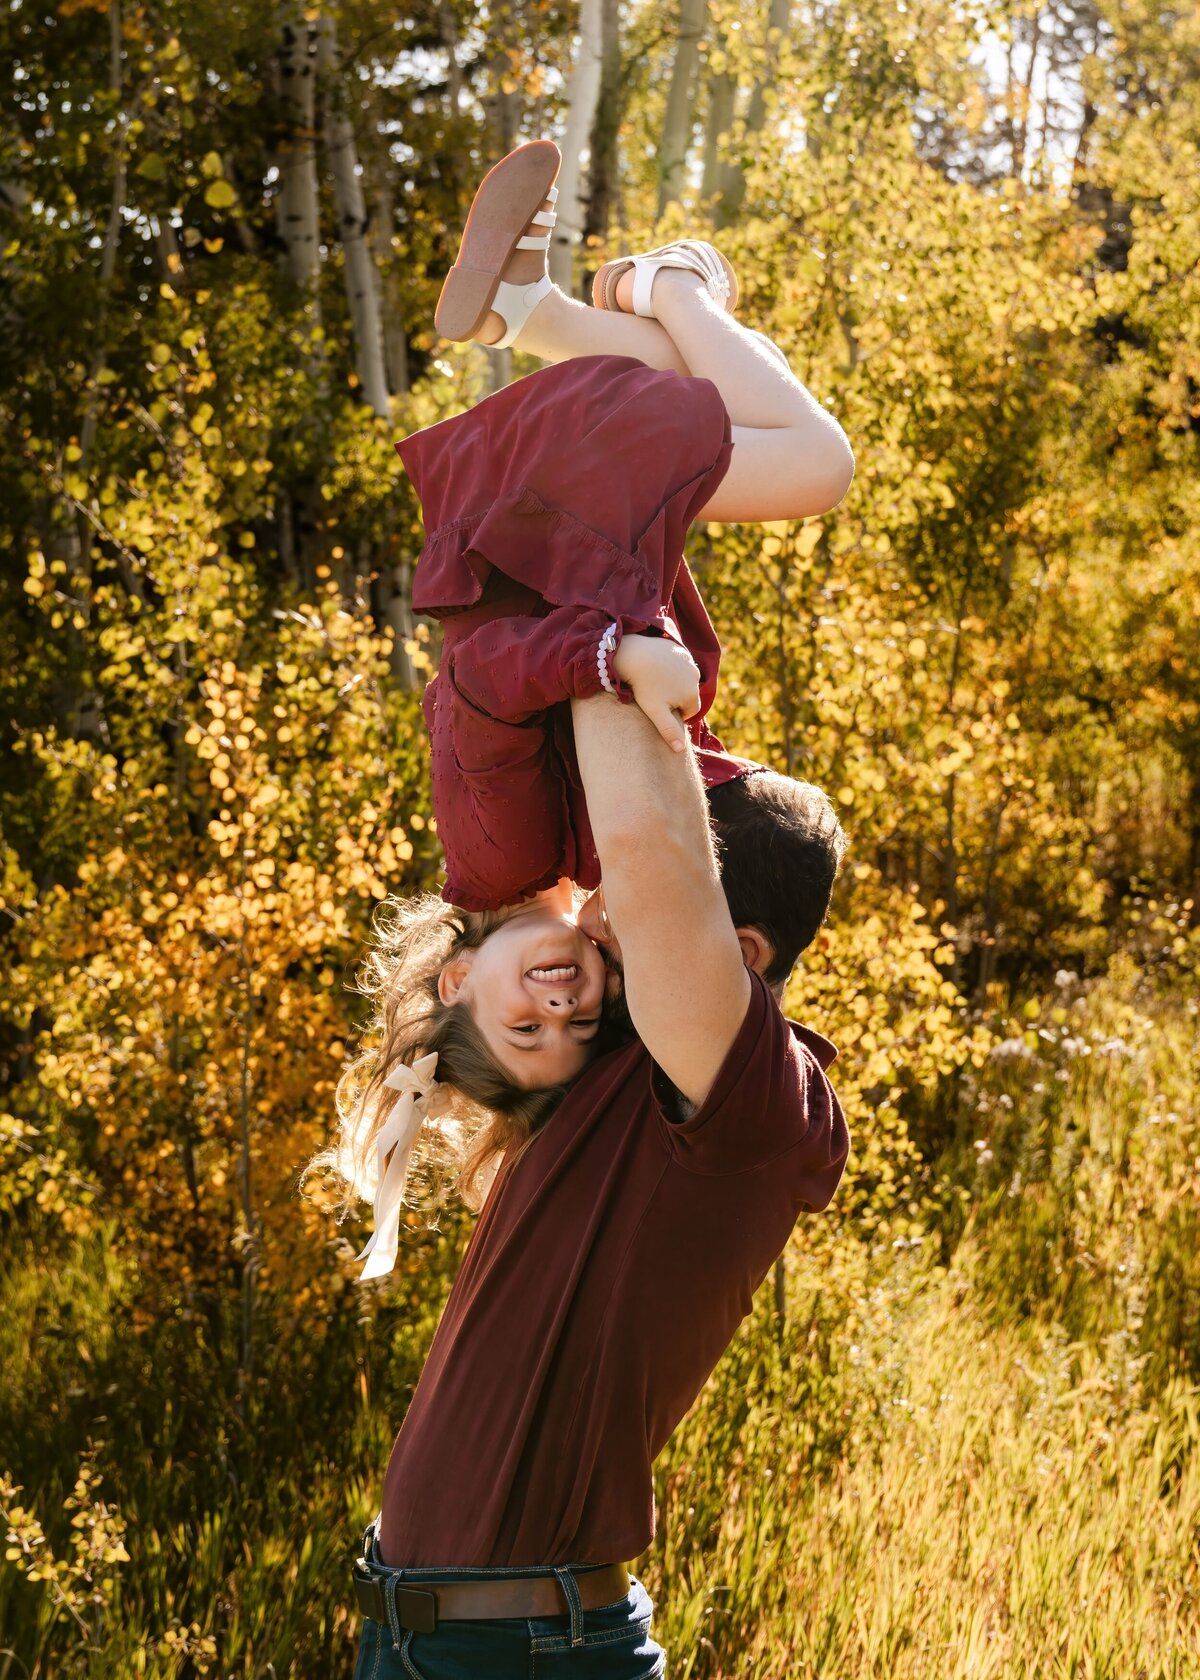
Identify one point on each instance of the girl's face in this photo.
(535, 989)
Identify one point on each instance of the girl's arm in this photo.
(516, 668)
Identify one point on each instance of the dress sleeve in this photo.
(514, 668)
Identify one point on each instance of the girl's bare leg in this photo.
(561, 328)
(790, 459)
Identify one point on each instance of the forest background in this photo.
(958, 1434)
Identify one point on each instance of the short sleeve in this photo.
(771, 1102)
(514, 668)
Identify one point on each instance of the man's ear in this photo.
(758, 952)
(452, 977)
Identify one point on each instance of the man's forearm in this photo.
(639, 793)
(685, 981)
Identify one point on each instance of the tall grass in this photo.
(1003, 1505)
(970, 1451)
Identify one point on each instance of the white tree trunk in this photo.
(603, 164)
(362, 281)
(583, 89)
(724, 174)
(779, 22)
(448, 29)
(296, 214)
(399, 613)
(677, 122)
(722, 98)
(395, 345)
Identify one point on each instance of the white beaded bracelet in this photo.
(604, 652)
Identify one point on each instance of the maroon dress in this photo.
(552, 509)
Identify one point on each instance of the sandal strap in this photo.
(514, 304)
(538, 242)
(709, 264)
(693, 256)
(645, 268)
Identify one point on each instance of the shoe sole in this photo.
(504, 204)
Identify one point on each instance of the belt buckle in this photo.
(416, 1607)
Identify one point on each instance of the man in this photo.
(613, 1262)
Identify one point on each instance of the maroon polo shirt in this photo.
(609, 1269)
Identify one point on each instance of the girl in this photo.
(555, 514)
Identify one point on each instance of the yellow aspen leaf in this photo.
(808, 538)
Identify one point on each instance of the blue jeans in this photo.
(611, 1642)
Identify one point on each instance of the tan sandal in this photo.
(696, 256)
(509, 199)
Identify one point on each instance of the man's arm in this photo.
(685, 981)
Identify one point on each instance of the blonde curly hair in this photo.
(483, 1112)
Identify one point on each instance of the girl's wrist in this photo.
(605, 650)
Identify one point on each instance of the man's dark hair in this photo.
(779, 845)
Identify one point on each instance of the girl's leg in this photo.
(561, 328)
(790, 459)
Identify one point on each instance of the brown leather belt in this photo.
(421, 1605)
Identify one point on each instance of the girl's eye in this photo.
(592, 1021)
(532, 1028)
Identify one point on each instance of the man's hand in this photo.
(665, 682)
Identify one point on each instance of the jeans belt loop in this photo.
(390, 1583)
(570, 1589)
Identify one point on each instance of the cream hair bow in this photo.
(420, 1097)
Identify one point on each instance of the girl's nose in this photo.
(563, 1002)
